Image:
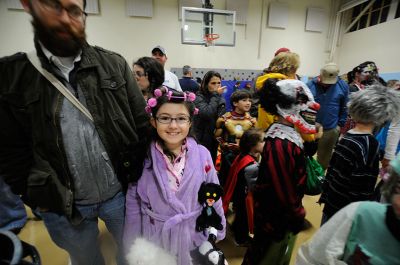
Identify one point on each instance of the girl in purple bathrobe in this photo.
(162, 206)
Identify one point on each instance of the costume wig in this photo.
(285, 63)
(376, 104)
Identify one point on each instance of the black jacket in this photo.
(211, 106)
(32, 157)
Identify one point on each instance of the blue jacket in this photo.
(333, 101)
(188, 84)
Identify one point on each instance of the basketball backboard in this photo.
(200, 23)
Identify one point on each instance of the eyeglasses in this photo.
(139, 74)
(74, 12)
(179, 120)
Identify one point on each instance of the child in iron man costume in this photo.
(230, 128)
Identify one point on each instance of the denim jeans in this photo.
(12, 209)
(81, 241)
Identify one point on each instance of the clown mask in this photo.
(304, 110)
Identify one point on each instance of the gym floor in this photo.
(36, 234)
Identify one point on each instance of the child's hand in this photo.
(233, 146)
(385, 163)
(220, 140)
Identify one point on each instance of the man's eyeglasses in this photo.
(74, 12)
(179, 120)
(139, 74)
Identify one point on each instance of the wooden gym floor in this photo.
(36, 234)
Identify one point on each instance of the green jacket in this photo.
(32, 157)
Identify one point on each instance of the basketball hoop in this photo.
(210, 39)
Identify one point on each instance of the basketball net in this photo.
(210, 40)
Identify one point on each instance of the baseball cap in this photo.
(160, 48)
(329, 74)
(283, 49)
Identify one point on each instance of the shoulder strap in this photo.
(63, 90)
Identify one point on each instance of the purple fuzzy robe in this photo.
(168, 219)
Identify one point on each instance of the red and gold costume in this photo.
(232, 125)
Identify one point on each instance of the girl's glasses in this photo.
(179, 120)
(74, 12)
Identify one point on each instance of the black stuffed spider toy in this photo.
(208, 194)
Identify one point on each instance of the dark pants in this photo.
(227, 158)
(265, 251)
(240, 225)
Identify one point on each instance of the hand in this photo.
(221, 89)
(320, 130)
(233, 146)
(220, 140)
(385, 163)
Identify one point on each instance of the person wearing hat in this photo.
(361, 233)
(283, 49)
(171, 80)
(187, 83)
(332, 93)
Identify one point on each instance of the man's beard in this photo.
(59, 46)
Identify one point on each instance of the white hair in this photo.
(376, 104)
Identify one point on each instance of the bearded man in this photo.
(70, 165)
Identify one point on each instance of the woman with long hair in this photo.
(149, 75)
(211, 105)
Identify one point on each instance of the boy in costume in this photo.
(240, 183)
(354, 167)
(230, 128)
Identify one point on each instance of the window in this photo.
(377, 13)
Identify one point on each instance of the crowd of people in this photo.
(160, 160)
